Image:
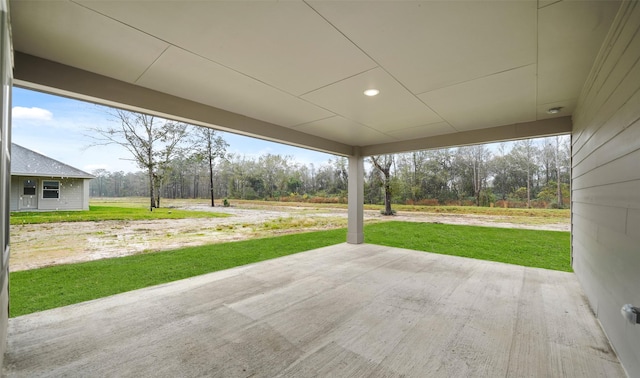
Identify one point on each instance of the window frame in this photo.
(34, 187)
(46, 190)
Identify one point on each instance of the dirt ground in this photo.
(39, 245)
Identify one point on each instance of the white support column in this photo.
(6, 72)
(355, 221)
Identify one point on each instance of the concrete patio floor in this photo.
(345, 310)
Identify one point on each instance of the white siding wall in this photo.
(85, 195)
(71, 196)
(16, 184)
(74, 194)
(606, 185)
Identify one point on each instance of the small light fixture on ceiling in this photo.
(371, 92)
(555, 110)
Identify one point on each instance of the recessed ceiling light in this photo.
(555, 110)
(371, 92)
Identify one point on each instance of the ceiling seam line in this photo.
(262, 82)
(198, 55)
(348, 119)
(151, 65)
(259, 81)
(315, 120)
(121, 22)
(548, 5)
(373, 60)
(480, 77)
(338, 81)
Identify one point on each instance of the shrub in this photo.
(424, 202)
(487, 197)
(226, 203)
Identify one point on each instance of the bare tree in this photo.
(100, 174)
(152, 141)
(383, 164)
(526, 152)
(559, 187)
(476, 159)
(210, 146)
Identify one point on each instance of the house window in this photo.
(29, 188)
(51, 189)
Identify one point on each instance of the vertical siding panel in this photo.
(85, 196)
(606, 184)
(6, 76)
(15, 194)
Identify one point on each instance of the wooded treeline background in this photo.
(515, 174)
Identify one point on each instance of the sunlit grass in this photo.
(45, 288)
(61, 285)
(108, 212)
(533, 248)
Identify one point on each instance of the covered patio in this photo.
(447, 73)
(345, 310)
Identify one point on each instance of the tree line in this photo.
(183, 161)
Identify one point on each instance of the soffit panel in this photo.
(206, 82)
(345, 131)
(433, 44)
(285, 44)
(394, 108)
(476, 60)
(569, 38)
(71, 34)
(504, 98)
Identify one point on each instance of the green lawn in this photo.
(107, 212)
(45, 288)
(41, 289)
(538, 249)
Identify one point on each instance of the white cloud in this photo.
(38, 114)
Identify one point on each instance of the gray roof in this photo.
(25, 162)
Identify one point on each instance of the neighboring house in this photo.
(41, 183)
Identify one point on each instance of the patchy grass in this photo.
(529, 220)
(51, 287)
(539, 249)
(290, 223)
(493, 211)
(108, 211)
(259, 204)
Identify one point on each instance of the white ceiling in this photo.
(442, 67)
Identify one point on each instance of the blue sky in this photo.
(57, 127)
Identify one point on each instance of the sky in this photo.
(57, 127)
